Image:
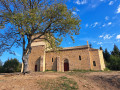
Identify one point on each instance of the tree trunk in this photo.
(26, 53)
(25, 63)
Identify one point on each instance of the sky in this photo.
(100, 25)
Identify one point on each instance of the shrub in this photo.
(12, 65)
(114, 63)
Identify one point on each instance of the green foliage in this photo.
(112, 60)
(101, 48)
(90, 45)
(106, 69)
(116, 51)
(0, 63)
(106, 55)
(11, 65)
(114, 63)
(49, 18)
(1, 68)
(61, 83)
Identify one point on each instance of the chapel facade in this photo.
(66, 59)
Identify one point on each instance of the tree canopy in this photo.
(11, 65)
(106, 55)
(21, 19)
(116, 51)
(112, 60)
(101, 48)
(0, 63)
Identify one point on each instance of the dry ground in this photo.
(75, 80)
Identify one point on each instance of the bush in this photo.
(11, 65)
(106, 69)
(114, 63)
(1, 69)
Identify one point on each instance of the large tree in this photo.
(21, 19)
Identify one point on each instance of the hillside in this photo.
(75, 80)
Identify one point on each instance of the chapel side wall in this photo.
(72, 56)
(94, 56)
(36, 56)
(102, 63)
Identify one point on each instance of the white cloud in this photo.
(17, 54)
(99, 43)
(95, 24)
(111, 3)
(109, 23)
(69, 42)
(94, 41)
(108, 36)
(118, 10)
(77, 10)
(106, 18)
(103, 25)
(81, 2)
(100, 36)
(101, 0)
(118, 40)
(118, 36)
(86, 25)
(94, 5)
(74, 13)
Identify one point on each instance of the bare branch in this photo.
(6, 6)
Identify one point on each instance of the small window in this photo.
(94, 63)
(79, 57)
(52, 59)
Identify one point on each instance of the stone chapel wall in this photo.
(73, 58)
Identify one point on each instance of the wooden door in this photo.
(66, 66)
(35, 68)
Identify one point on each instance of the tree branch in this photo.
(6, 6)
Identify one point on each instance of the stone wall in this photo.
(94, 56)
(73, 58)
(102, 63)
(49, 60)
(36, 58)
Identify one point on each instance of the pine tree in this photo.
(116, 51)
(106, 55)
(90, 45)
(101, 48)
(0, 63)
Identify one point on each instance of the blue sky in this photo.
(100, 25)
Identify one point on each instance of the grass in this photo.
(80, 73)
(1, 80)
(61, 83)
(84, 71)
(50, 71)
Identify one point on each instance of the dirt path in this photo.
(85, 81)
(97, 80)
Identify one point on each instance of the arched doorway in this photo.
(35, 68)
(37, 65)
(66, 65)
